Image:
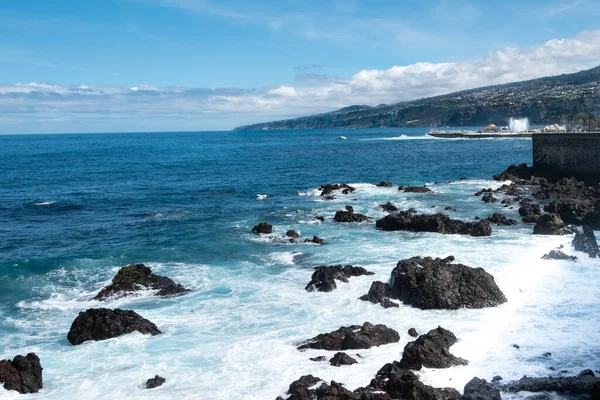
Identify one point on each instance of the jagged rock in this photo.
(483, 191)
(399, 383)
(412, 332)
(349, 208)
(23, 373)
(385, 184)
(347, 216)
(529, 209)
(516, 173)
(501, 220)
(576, 211)
(293, 234)
(440, 223)
(550, 224)
(320, 218)
(380, 293)
(155, 382)
(558, 255)
(324, 277)
(263, 227)
(586, 241)
(388, 207)
(416, 189)
(137, 277)
(479, 389)
(102, 323)
(331, 187)
(315, 240)
(301, 388)
(431, 350)
(428, 283)
(586, 372)
(318, 359)
(573, 384)
(489, 198)
(340, 359)
(352, 337)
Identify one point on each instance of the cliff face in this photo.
(540, 100)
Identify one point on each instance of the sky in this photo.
(78, 66)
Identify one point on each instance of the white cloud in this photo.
(233, 106)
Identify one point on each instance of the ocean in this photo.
(76, 208)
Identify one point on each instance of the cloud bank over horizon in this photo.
(44, 108)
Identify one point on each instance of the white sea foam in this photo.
(44, 203)
(261, 196)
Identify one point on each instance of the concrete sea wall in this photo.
(568, 154)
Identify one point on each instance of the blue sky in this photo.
(123, 65)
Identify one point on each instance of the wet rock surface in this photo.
(263, 228)
(348, 216)
(352, 337)
(329, 188)
(440, 223)
(23, 374)
(324, 277)
(340, 359)
(551, 224)
(155, 382)
(315, 240)
(480, 389)
(388, 207)
(137, 277)
(586, 242)
(558, 255)
(416, 189)
(380, 293)
(429, 283)
(501, 220)
(103, 323)
(586, 384)
(385, 184)
(431, 350)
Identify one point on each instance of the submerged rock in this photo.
(102, 323)
(347, 216)
(263, 227)
(137, 277)
(292, 233)
(315, 240)
(480, 389)
(431, 350)
(352, 337)
(380, 293)
(23, 374)
(440, 223)
(155, 382)
(340, 359)
(586, 241)
(323, 279)
(558, 255)
(429, 283)
(385, 184)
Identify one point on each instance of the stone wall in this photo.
(568, 154)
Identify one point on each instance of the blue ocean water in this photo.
(75, 208)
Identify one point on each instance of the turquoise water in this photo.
(75, 208)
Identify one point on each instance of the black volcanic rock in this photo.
(352, 337)
(388, 207)
(576, 211)
(501, 220)
(385, 184)
(479, 389)
(431, 350)
(324, 277)
(347, 216)
(586, 241)
(331, 187)
(292, 233)
(412, 332)
(429, 283)
(550, 224)
(137, 277)
(380, 293)
(558, 255)
(102, 323)
(489, 198)
(516, 173)
(440, 223)
(416, 189)
(340, 359)
(574, 384)
(315, 240)
(155, 382)
(263, 227)
(400, 383)
(23, 374)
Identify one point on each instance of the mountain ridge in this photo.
(541, 100)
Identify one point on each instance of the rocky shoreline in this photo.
(550, 206)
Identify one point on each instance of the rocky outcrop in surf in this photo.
(329, 188)
(340, 359)
(584, 383)
(440, 223)
(263, 228)
(520, 174)
(429, 283)
(501, 220)
(388, 207)
(586, 242)
(352, 337)
(324, 277)
(349, 216)
(431, 350)
(315, 240)
(480, 389)
(551, 224)
(380, 293)
(23, 374)
(415, 189)
(136, 277)
(155, 382)
(385, 184)
(558, 255)
(101, 323)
